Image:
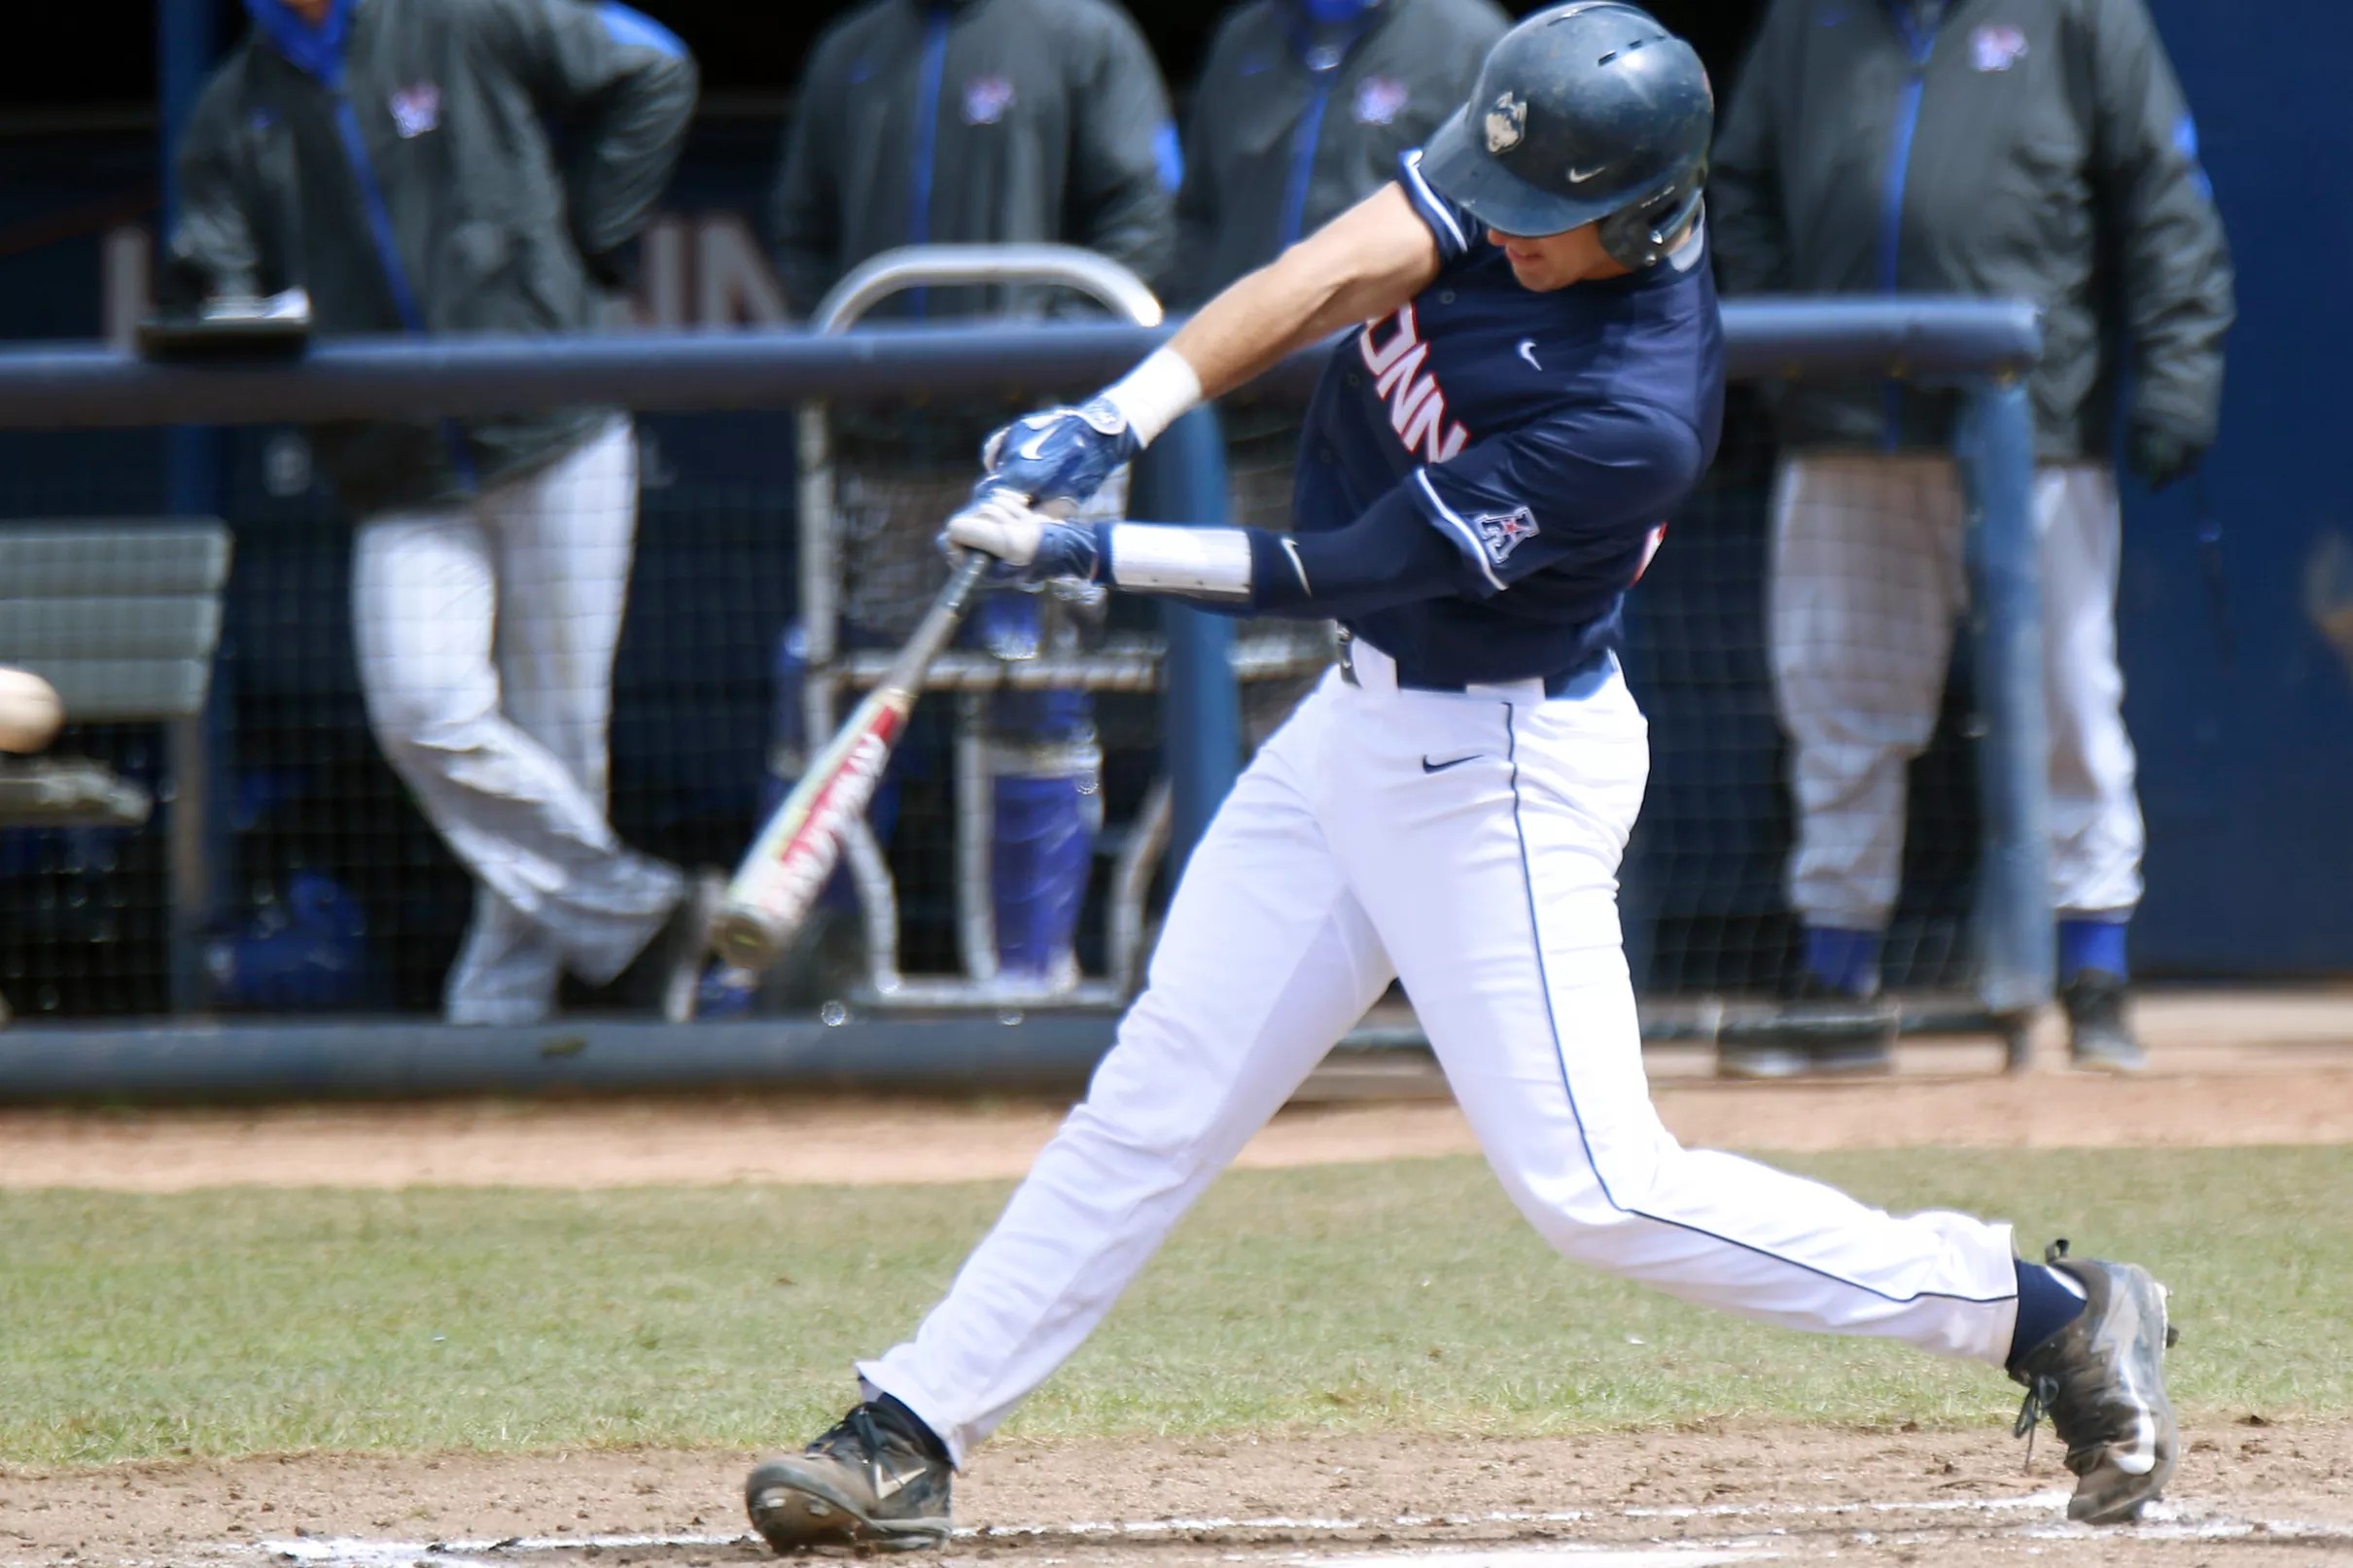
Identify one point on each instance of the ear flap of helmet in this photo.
(1640, 235)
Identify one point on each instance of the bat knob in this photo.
(747, 939)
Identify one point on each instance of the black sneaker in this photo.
(2101, 1380)
(875, 1481)
(665, 978)
(2098, 1040)
(1818, 1029)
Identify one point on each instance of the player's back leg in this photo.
(1501, 916)
(1500, 908)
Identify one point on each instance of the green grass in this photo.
(1403, 1296)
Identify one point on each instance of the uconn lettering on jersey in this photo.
(1417, 406)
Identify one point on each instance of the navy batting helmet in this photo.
(1590, 112)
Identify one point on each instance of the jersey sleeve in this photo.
(1588, 497)
(1585, 494)
(1455, 229)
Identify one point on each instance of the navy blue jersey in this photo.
(1548, 436)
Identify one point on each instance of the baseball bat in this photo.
(787, 863)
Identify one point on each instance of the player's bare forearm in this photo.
(1362, 264)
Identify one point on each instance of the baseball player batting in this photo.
(1534, 382)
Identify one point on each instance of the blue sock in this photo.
(2092, 942)
(1843, 959)
(2047, 1301)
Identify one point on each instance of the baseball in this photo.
(29, 711)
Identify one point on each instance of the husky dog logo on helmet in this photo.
(1506, 123)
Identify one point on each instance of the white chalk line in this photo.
(2162, 1521)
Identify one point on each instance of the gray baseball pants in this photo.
(1867, 585)
(486, 633)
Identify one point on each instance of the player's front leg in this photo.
(1265, 961)
(876, 1479)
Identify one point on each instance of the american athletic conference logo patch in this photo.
(416, 110)
(1380, 100)
(1996, 46)
(1503, 531)
(987, 98)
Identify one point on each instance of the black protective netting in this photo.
(336, 894)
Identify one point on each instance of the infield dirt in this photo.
(2224, 1072)
(2250, 1489)
(2277, 1494)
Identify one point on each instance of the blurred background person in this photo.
(1301, 111)
(2042, 150)
(427, 168)
(973, 122)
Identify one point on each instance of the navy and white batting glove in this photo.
(1029, 546)
(1059, 457)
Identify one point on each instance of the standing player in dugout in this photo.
(1533, 384)
(453, 167)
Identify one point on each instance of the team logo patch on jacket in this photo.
(416, 110)
(1503, 531)
(987, 98)
(1996, 46)
(1380, 100)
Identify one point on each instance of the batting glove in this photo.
(1029, 546)
(1058, 458)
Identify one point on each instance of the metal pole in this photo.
(1183, 478)
(184, 35)
(184, 38)
(197, 832)
(46, 386)
(1997, 453)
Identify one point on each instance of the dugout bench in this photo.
(123, 617)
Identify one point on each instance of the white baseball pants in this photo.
(1868, 582)
(1468, 842)
(486, 634)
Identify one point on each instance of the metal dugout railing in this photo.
(1130, 665)
(1981, 346)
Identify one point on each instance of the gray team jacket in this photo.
(975, 121)
(2031, 148)
(1293, 124)
(410, 181)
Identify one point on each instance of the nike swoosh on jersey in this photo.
(1290, 547)
(1580, 176)
(1428, 766)
(1528, 351)
(1034, 446)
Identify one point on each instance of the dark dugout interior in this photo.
(750, 55)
